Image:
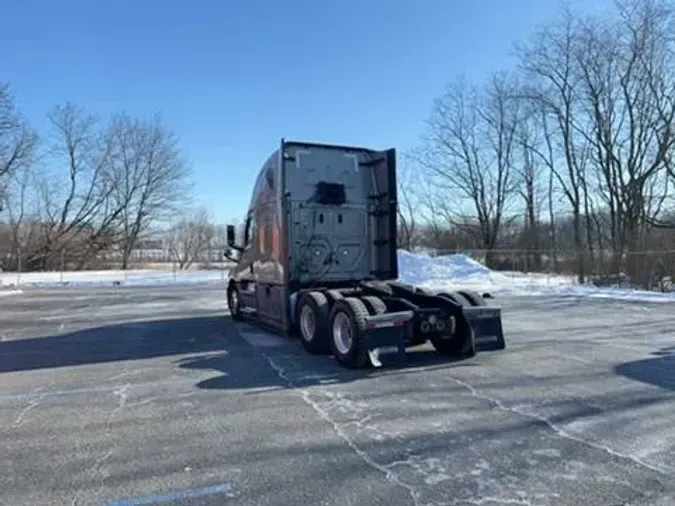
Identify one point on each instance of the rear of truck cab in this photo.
(331, 212)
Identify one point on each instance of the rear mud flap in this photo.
(387, 344)
(386, 337)
(486, 323)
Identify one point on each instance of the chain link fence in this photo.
(649, 269)
(18, 261)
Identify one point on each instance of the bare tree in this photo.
(408, 205)
(628, 87)
(74, 205)
(528, 179)
(148, 177)
(547, 61)
(190, 238)
(470, 153)
(22, 226)
(17, 140)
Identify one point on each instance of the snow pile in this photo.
(423, 269)
(456, 272)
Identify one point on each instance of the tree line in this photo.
(568, 156)
(565, 159)
(84, 186)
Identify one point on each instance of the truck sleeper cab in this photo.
(319, 259)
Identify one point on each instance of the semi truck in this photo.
(319, 260)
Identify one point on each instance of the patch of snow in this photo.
(7, 293)
(109, 278)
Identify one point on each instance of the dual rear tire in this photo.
(462, 342)
(347, 325)
(312, 320)
(338, 329)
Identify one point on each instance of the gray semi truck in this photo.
(319, 259)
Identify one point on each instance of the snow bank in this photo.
(421, 268)
(453, 272)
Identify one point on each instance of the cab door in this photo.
(247, 276)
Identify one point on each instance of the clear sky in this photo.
(233, 77)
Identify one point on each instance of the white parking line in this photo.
(225, 490)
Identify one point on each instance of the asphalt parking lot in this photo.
(152, 395)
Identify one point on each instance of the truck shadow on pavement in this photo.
(658, 371)
(206, 343)
(123, 341)
(293, 367)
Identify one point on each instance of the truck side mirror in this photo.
(230, 236)
(231, 244)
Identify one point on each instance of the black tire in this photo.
(463, 344)
(351, 312)
(375, 305)
(234, 303)
(474, 298)
(456, 297)
(312, 325)
(334, 295)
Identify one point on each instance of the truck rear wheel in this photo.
(334, 295)
(347, 323)
(312, 318)
(460, 342)
(456, 297)
(375, 305)
(473, 297)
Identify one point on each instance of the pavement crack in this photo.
(32, 404)
(432, 469)
(561, 432)
(362, 454)
(98, 464)
(122, 395)
(123, 374)
(362, 422)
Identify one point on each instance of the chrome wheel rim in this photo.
(342, 333)
(234, 301)
(307, 323)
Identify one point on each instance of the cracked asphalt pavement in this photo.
(152, 395)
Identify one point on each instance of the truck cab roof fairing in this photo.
(266, 181)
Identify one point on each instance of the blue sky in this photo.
(233, 77)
